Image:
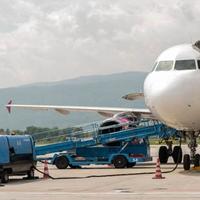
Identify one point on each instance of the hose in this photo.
(113, 175)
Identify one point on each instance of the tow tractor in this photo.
(122, 145)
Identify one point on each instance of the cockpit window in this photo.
(185, 65)
(164, 66)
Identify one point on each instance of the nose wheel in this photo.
(166, 151)
(196, 160)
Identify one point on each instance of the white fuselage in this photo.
(174, 96)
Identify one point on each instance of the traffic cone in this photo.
(46, 170)
(158, 174)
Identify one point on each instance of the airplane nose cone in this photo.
(155, 88)
(173, 98)
(159, 97)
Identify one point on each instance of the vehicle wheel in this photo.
(186, 162)
(163, 154)
(130, 165)
(177, 154)
(61, 162)
(31, 173)
(120, 162)
(196, 160)
(4, 177)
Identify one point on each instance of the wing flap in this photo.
(63, 112)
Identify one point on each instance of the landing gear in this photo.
(186, 162)
(193, 145)
(163, 154)
(196, 160)
(193, 158)
(166, 151)
(177, 154)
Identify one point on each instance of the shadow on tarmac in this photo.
(190, 172)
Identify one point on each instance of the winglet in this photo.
(8, 106)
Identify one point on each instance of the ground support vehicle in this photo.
(126, 154)
(17, 156)
(89, 147)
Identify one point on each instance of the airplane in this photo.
(171, 94)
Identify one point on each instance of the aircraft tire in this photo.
(163, 154)
(186, 162)
(61, 162)
(175, 155)
(120, 162)
(196, 160)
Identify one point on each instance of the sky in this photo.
(48, 40)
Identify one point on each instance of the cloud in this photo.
(52, 40)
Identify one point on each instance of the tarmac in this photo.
(105, 182)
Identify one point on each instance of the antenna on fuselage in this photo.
(196, 45)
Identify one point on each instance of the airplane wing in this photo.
(104, 111)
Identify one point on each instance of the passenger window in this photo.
(164, 66)
(185, 65)
(198, 62)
